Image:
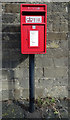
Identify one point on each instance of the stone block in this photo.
(7, 94)
(10, 28)
(49, 26)
(8, 18)
(0, 22)
(7, 85)
(58, 91)
(46, 1)
(69, 97)
(0, 97)
(38, 92)
(0, 75)
(33, 1)
(4, 75)
(0, 7)
(17, 94)
(68, 44)
(0, 85)
(14, 58)
(60, 27)
(59, 52)
(56, 72)
(69, 77)
(43, 82)
(53, 44)
(8, 64)
(21, 79)
(58, 17)
(38, 72)
(57, 36)
(0, 109)
(59, 6)
(52, 91)
(64, 44)
(12, 8)
(25, 93)
(22, 74)
(11, 41)
(63, 61)
(69, 55)
(43, 61)
(24, 83)
(58, 44)
(60, 81)
(10, 1)
(11, 18)
(50, 6)
(48, 54)
(0, 58)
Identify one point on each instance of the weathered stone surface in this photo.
(56, 72)
(24, 82)
(58, 17)
(10, 1)
(24, 93)
(0, 8)
(60, 27)
(11, 41)
(58, 91)
(21, 77)
(14, 58)
(38, 72)
(0, 97)
(7, 85)
(4, 75)
(10, 28)
(38, 92)
(57, 44)
(11, 18)
(12, 8)
(24, 73)
(17, 93)
(61, 81)
(59, 52)
(57, 36)
(45, 82)
(69, 76)
(50, 26)
(34, 1)
(7, 94)
(43, 61)
(64, 61)
(59, 7)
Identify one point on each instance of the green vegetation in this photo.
(46, 101)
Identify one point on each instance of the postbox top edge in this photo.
(34, 4)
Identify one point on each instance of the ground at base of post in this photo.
(44, 108)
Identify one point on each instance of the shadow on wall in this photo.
(11, 54)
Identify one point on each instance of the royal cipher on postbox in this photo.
(33, 28)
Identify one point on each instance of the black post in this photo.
(31, 83)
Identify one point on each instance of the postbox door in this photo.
(34, 40)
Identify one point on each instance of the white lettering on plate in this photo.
(33, 19)
(34, 38)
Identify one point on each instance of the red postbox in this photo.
(33, 28)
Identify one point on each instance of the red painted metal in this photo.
(33, 15)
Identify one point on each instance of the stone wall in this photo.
(51, 69)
